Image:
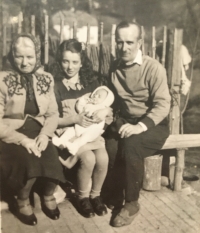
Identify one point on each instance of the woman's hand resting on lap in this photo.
(30, 145)
(42, 142)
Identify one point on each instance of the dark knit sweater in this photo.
(142, 91)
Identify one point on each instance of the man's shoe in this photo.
(115, 204)
(98, 206)
(123, 218)
(85, 207)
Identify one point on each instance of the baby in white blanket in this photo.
(100, 98)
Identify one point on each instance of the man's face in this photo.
(128, 43)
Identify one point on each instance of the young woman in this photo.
(74, 78)
(28, 119)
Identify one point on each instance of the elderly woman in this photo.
(74, 78)
(28, 119)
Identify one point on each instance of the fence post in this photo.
(33, 25)
(143, 45)
(20, 19)
(74, 30)
(61, 30)
(101, 48)
(179, 167)
(4, 39)
(46, 41)
(88, 41)
(4, 43)
(164, 45)
(1, 33)
(175, 80)
(153, 42)
(113, 46)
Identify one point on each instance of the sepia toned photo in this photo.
(100, 116)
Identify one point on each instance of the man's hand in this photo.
(100, 115)
(83, 121)
(31, 147)
(41, 142)
(127, 130)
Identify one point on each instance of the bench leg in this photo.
(180, 164)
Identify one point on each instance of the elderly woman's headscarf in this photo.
(25, 78)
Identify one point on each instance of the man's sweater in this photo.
(142, 91)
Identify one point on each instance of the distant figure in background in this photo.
(185, 61)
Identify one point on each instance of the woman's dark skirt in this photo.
(18, 166)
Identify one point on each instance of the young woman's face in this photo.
(25, 57)
(71, 63)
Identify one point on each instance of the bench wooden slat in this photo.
(175, 141)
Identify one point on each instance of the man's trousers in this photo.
(126, 160)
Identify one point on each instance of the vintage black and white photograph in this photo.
(100, 116)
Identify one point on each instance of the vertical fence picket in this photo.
(100, 47)
(61, 30)
(101, 33)
(153, 42)
(113, 47)
(20, 19)
(13, 31)
(46, 40)
(143, 44)
(33, 25)
(88, 34)
(164, 45)
(175, 68)
(1, 33)
(88, 41)
(4, 35)
(74, 30)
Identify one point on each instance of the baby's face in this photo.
(99, 96)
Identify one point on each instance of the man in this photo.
(143, 100)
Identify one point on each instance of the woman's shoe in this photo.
(98, 206)
(26, 219)
(51, 213)
(85, 207)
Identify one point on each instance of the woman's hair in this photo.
(20, 40)
(86, 71)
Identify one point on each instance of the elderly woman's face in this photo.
(71, 63)
(24, 55)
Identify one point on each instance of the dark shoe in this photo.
(85, 207)
(98, 206)
(123, 218)
(26, 219)
(53, 214)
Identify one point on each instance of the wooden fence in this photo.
(101, 54)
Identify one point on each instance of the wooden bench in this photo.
(180, 142)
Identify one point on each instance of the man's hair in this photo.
(126, 24)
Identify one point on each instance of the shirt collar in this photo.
(73, 83)
(138, 58)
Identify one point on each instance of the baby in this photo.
(100, 98)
